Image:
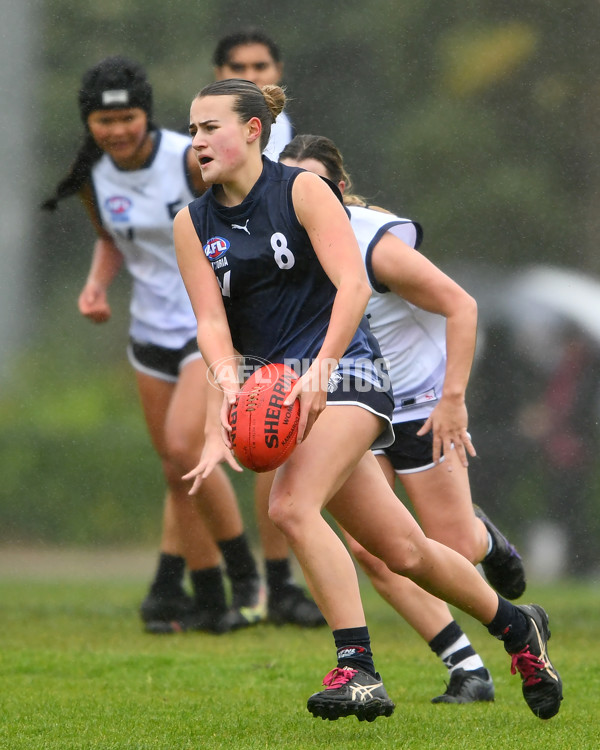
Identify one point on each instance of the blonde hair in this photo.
(250, 101)
(275, 98)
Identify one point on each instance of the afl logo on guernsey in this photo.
(216, 247)
(118, 206)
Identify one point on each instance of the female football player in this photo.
(428, 387)
(132, 178)
(292, 287)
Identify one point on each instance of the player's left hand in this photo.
(214, 452)
(448, 422)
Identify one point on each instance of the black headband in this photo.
(115, 83)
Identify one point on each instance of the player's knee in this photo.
(287, 516)
(278, 513)
(179, 457)
(408, 557)
(176, 463)
(172, 472)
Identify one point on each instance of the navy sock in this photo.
(509, 625)
(169, 574)
(209, 590)
(354, 649)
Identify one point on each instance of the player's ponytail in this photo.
(78, 175)
(275, 98)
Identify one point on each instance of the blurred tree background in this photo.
(478, 118)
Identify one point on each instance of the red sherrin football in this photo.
(264, 431)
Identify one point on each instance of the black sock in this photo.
(239, 562)
(241, 570)
(354, 649)
(509, 625)
(209, 590)
(279, 576)
(169, 574)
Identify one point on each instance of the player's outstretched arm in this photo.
(215, 344)
(217, 445)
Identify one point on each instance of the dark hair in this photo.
(250, 101)
(113, 83)
(251, 35)
(323, 150)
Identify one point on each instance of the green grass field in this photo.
(78, 672)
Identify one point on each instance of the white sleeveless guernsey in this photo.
(411, 339)
(137, 208)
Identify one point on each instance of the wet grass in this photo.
(78, 672)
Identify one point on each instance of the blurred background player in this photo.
(253, 55)
(132, 178)
(418, 314)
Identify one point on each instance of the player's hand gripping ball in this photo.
(263, 430)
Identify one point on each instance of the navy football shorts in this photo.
(356, 391)
(409, 453)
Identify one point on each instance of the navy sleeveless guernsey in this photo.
(277, 297)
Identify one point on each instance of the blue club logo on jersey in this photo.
(118, 206)
(216, 248)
